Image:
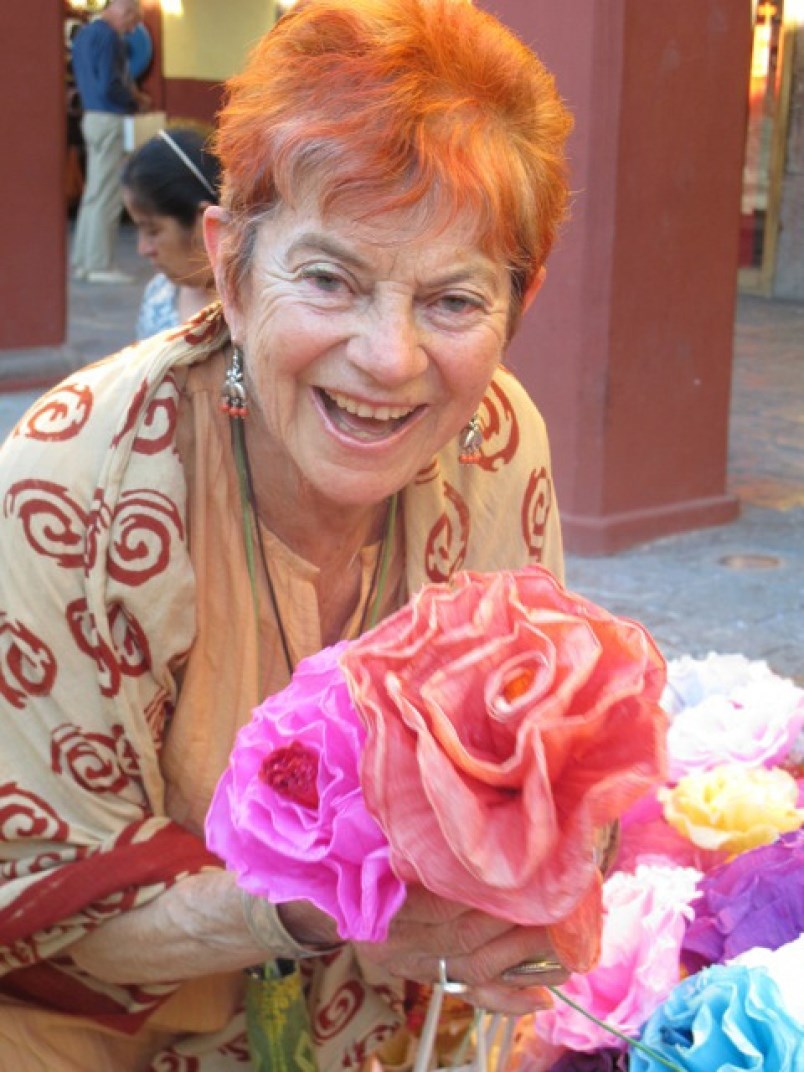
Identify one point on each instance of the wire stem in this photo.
(647, 1050)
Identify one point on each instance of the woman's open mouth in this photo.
(361, 420)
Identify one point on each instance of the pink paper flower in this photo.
(288, 815)
(647, 838)
(507, 720)
(645, 917)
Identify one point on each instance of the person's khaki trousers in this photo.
(102, 200)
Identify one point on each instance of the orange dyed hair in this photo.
(378, 105)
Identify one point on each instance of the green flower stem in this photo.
(647, 1050)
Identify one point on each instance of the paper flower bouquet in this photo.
(475, 743)
(703, 938)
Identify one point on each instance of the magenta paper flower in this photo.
(507, 720)
(647, 838)
(645, 917)
(288, 815)
(756, 899)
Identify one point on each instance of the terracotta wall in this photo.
(181, 98)
(628, 349)
(32, 182)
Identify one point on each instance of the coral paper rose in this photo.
(507, 719)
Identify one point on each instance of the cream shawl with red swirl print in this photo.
(97, 612)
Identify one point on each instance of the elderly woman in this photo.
(393, 179)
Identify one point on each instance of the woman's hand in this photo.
(477, 950)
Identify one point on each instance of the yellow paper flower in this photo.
(732, 808)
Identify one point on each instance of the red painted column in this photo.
(628, 348)
(32, 182)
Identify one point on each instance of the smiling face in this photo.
(367, 347)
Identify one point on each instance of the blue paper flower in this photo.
(724, 1018)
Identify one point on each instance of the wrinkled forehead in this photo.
(435, 216)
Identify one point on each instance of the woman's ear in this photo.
(215, 225)
(533, 288)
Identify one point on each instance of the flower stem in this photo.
(647, 1050)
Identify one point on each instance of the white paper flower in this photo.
(728, 709)
(785, 965)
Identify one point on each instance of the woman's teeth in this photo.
(362, 409)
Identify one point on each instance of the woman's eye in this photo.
(324, 280)
(458, 304)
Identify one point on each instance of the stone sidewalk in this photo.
(735, 588)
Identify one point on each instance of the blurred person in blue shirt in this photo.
(107, 94)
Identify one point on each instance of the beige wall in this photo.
(210, 39)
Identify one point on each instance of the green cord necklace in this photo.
(251, 525)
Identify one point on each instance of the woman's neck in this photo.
(322, 532)
(192, 299)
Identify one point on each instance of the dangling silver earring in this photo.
(470, 441)
(233, 393)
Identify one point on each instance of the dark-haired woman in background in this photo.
(167, 185)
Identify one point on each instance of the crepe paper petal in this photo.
(506, 720)
(733, 808)
(784, 967)
(576, 938)
(724, 1017)
(756, 899)
(644, 921)
(288, 815)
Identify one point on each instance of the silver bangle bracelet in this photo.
(269, 932)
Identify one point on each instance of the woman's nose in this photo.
(390, 344)
(144, 245)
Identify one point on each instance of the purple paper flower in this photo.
(288, 815)
(605, 1060)
(756, 899)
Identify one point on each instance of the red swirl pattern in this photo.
(25, 815)
(170, 1061)
(238, 1049)
(59, 415)
(356, 1054)
(536, 507)
(27, 665)
(53, 522)
(132, 413)
(144, 526)
(200, 328)
(92, 760)
(158, 714)
(447, 541)
(158, 426)
(129, 641)
(429, 473)
(334, 1017)
(98, 521)
(84, 631)
(45, 861)
(500, 429)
